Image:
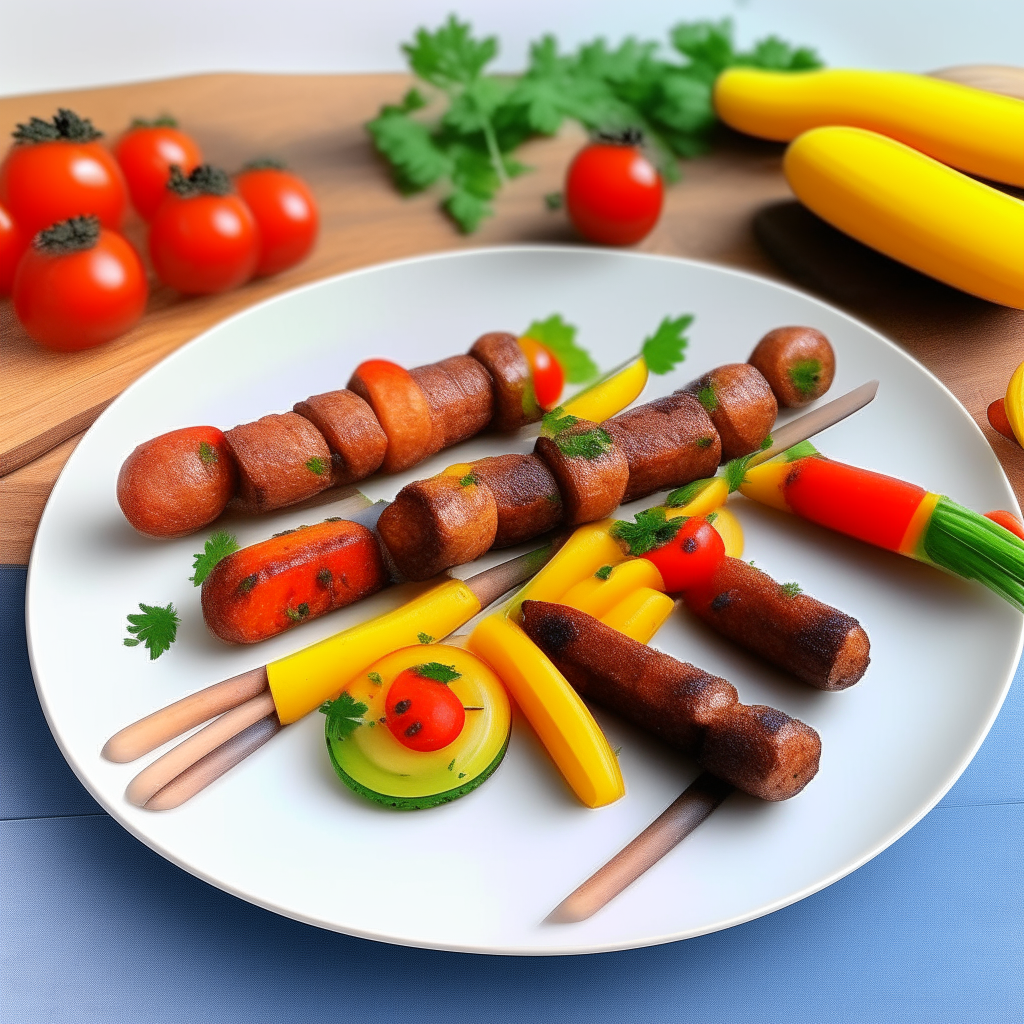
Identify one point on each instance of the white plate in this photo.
(480, 874)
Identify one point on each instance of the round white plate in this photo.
(481, 874)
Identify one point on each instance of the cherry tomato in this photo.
(689, 559)
(79, 285)
(146, 153)
(613, 193)
(1008, 521)
(422, 713)
(13, 243)
(203, 238)
(286, 213)
(59, 170)
(999, 420)
(546, 371)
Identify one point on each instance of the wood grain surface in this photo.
(315, 123)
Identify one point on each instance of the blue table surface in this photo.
(97, 928)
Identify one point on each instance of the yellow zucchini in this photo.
(979, 132)
(913, 208)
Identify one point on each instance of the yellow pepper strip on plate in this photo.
(913, 208)
(977, 131)
(641, 614)
(611, 394)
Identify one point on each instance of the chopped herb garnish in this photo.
(707, 397)
(438, 672)
(736, 471)
(604, 572)
(245, 585)
(344, 716)
(451, 764)
(297, 614)
(555, 499)
(705, 442)
(711, 517)
(649, 530)
(324, 577)
(424, 638)
(156, 627)
(554, 200)
(469, 480)
(318, 465)
(207, 453)
(664, 349)
(375, 678)
(560, 338)
(217, 548)
(591, 444)
(805, 375)
(767, 443)
(556, 421)
(791, 589)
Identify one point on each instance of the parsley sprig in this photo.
(560, 338)
(217, 548)
(466, 148)
(438, 672)
(344, 715)
(155, 627)
(649, 530)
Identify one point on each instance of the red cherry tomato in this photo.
(146, 153)
(203, 238)
(546, 371)
(613, 193)
(13, 243)
(689, 559)
(1008, 521)
(75, 300)
(999, 420)
(286, 213)
(43, 182)
(423, 714)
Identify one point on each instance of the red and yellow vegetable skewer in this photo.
(892, 514)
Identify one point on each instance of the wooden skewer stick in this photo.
(666, 832)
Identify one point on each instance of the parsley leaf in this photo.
(560, 337)
(650, 530)
(604, 572)
(664, 349)
(218, 547)
(791, 589)
(344, 716)
(156, 627)
(438, 672)
(707, 397)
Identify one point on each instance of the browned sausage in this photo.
(526, 496)
(401, 409)
(797, 362)
(294, 577)
(590, 469)
(356, 439)
(756, 748)
(667, 443)
(282, 458)
(813, 641)
(439, 522)
(515, 404)
(461, 398)
(178, 482)
(741, 406)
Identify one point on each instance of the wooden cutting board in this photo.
(314, 122)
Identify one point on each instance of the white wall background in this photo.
(55, 44)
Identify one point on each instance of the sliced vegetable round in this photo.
(146, 153)
(371, 761)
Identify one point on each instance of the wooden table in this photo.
(314, 122)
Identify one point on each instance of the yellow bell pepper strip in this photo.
(1014, 403)
(977, 131)
(697, 498)
(893, 515)
(561, 720)
(913, 208)
(610, 584)
(639, 615)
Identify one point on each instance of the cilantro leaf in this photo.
(156, 627)
(344, 716)
(560, 337)
(218, 547)
(664, 349)
(649, 530)
(438, 672)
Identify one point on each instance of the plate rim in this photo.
(583, 948)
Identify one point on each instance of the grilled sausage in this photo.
(797, 362)
(526, 496)
(460, 396)
(741, 406)
(590, 469)
(282, 459)
(799, 634)
(756, 748)
(667, 443)
(515, 404)
(401, 409)
(355, 438)
(296, 576)
(439, 522)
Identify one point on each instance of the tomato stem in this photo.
(76, 234)
(66, 126)
(205, 180)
